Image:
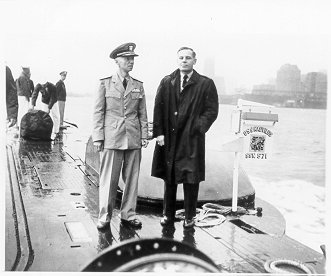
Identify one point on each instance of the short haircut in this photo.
(187, 48)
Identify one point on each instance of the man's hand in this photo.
(48, 110)
(144, 143)
(160, 140)
(11, 122)
(31, 107)
(98, 145)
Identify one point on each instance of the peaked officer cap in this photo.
(64, 73)
(124, 50)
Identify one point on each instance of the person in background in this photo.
(62, 95)
(11, 98)
(119, 131)
(49, 104)
(186, 105)
(24, 87)
(31, 84)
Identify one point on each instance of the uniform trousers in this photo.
(61, 109)
(23, 107)
(191, 191)
(112, 162)
(54, 113)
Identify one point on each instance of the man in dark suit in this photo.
(186, 105)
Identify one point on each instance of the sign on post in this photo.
(253, 123)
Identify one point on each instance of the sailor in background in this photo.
(24, 90)
(119, 132)
(186, 105)
(49, 104)
(62, 95)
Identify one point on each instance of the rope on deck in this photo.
(212, 214)
(272, 266)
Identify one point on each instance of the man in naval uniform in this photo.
(61, 96)
(119, 132)
(24, 91)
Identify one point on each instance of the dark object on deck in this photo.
(36, 125)
(259, 211)
(152, 255)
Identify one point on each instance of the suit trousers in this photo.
(23, 108)
(191, 191)
(62, 105)
(54, 113)
(112, 162)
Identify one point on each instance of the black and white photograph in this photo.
(165, 136)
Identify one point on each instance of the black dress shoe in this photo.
(188, 223)
(133, 223)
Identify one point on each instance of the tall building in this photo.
(209, 71)
(288, 80)
(315, 83)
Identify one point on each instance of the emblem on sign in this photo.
(257, 143)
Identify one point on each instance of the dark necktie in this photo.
(125, 82)
(184, 80)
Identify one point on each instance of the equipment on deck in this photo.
(152, 255)
(284, 266)
(36, 125)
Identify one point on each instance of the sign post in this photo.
(253, 123)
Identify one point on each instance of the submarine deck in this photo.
(52, 208)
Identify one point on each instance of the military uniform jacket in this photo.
(120, 116)
(61, 91)
(48, 97)
(23, 86)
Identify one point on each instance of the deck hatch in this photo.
(247, 227)
(77, 231)
(43, 156)
(58, 176)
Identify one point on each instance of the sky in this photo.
(247, 41)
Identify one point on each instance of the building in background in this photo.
(209, 71)
(288, 80)
(293, 89)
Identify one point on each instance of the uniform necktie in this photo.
(184, 80)
(125, 82)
